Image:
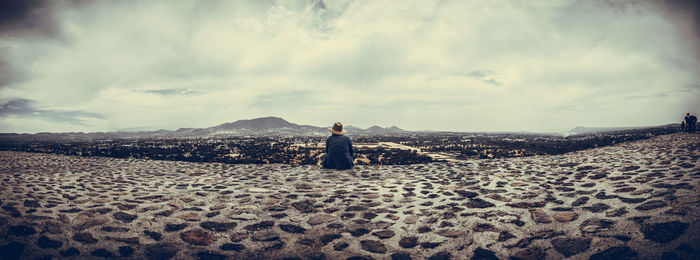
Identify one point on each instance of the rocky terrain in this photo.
(636, 200)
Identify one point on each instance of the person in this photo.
(691, 122)
(687, 122)
(339, 153)
(682, 126)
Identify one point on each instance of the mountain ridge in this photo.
(272, 125)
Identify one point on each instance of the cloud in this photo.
(449, 65)
(486, 76)
(171, 91)
(26, 108)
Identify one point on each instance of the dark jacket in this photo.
(338, 152)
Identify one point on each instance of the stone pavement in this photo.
(633, 200)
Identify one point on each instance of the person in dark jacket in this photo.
(338, 149)
(690, 122)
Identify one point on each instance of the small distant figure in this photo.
(690, 122)
(339, 154)
(683, 126)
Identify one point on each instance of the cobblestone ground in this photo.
(632, 200)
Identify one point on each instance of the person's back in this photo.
(339, 152)
(693, 123)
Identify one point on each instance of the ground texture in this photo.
(628, 201)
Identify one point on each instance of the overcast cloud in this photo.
(441, 65)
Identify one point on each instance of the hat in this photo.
(337, 129)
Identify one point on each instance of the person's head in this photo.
(687, 113)
(337, 129)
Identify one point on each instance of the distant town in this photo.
(289, 145)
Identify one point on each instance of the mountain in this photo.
(263, 125)
(256, 126)
(277, 126)
(374, 130)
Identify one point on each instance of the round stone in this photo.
(232, 247)
(21, 231)
(571, 246)
(197, 237)
(383, 234)
(45, 242)
(265, 236)
(292, 229)
(162, 251)
(124, 217)
(565, 216)
(217, 226)
(617, 253)
(652, 204)
(664, 232)
(408, 242)
(373, 246)
(85, 238)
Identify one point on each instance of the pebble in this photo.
(12, 250)
(265, 236)
(69, 252)
(126, 251)
(384, 234)
(571, 246)
(124, 217)
(539, 216)
(292, 229)
(401, 256)
(161, 251)
(478, 203)
(85, 238)
(442, 255)
(197, 237)
(21, 231)
(484, 254)
(616, 252)
(652, 204)
(101, 252)
(597, 207)
(260, 226)
(232, 247)
(408, 242)
(46, 242)
(217, 226)
(373, 246)
(320, 219)
(340, 246)
(327, 238)
(190, 217)
(664, 232)
(175, 227)
(565, 216)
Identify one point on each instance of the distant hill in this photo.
(280, 126)
(375, 130)
(275, 125)
(256, 126)
(263, 125)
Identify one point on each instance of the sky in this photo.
(538, 66)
